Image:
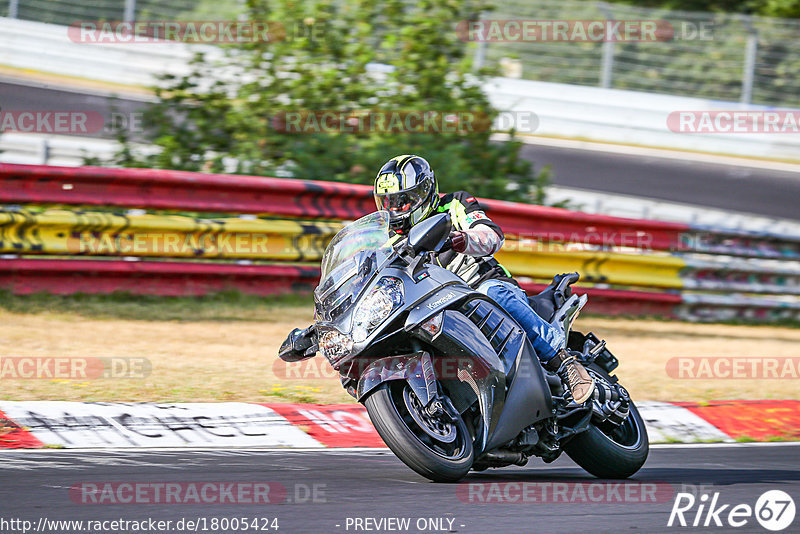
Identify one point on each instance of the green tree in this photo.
(345, 56)
(767, 8)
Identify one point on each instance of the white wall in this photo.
(616, 116)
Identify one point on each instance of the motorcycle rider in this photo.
(407, 188)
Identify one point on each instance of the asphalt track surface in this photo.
(761, 191)
(767, 192)
(374, 484)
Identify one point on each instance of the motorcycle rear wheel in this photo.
(439, 461)
(609, 451)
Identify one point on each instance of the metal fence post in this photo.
(45, 151)
(607, 65)
(480, 52)
(480, 56)
(130, 11)
(13, 9)
(607, 60)
(751, 48)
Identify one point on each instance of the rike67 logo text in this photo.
(774, 510)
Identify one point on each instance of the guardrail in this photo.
(190, 191)
(61, 232)
(627, 265)
(47, 47)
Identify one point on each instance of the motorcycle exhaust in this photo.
(610, 403)
(503, 458)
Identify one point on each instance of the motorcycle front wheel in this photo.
(436, 449)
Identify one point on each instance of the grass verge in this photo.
(223, 348)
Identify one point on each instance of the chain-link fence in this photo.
(67, 12)
(711, 55)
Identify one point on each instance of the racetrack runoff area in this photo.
(194, 351)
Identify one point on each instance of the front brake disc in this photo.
(438, 429)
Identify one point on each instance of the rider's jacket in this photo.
(477, 264)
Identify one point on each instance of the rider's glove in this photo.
(458, 241)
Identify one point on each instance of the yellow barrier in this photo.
(649, 270)
(94, 233)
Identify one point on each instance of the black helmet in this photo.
(406, 188)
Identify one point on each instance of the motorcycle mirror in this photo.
(430, 234)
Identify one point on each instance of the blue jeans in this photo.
(546, 340)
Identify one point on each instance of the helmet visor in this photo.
(406, 201)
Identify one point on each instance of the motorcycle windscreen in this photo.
(351, 259)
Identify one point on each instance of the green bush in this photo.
(335, 57)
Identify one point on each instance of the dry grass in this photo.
(231, 357)
(643, 348)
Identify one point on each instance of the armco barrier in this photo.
(168, 278)
(709, 273)
(109, 234)
(199, 192)
(651, 270)
(60, 232)
(181, 191)
(190, 191)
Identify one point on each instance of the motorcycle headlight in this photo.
(334, 346)
(376, 307)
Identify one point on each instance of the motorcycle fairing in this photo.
(478, 368)
(527, 401)
(481, 335)
(474, 343)
(415, 368)
(433, 304)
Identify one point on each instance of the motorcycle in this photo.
(449, 380)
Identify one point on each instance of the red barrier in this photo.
(175, 278)
(66, 277)
(623, 302)
(181, 190)
(559, 225)
(191, 191)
